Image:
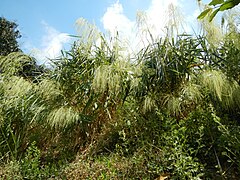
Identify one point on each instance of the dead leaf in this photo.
(163, 176)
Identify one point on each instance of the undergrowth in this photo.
(171, 112)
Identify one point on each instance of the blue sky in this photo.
(46, 24)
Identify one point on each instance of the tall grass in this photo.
(172, 110)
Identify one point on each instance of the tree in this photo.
(8, 37)
(219, 5)
(12, 60)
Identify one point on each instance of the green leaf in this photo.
(229, 4)
(204, 13)
(213, 14)
(215, 2)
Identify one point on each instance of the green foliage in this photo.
(8, 37)
(230, 59)
(221, 88)
(216, 2)
(179, 156)
(30, 164)
(19, 64)
(229, 4)
(16, 113)
(10, 170)
(171, 112)
(29, 167)
(168, 67)
(204, 13)
(223, 5)
(12, 63)
(12, 60)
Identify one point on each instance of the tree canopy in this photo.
(12, 59)
(8, 37)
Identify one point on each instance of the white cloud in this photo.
(158, 17)
(158, 13)
(114, 20)
(52, 44)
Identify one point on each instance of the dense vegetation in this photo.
(8, 37)
(172, 111)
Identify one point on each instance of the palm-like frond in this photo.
(214, 80)
(63, 116)
(113, 77)
(13, 63)
(49, 90)
(149, 103)
(221, 88)
(16, 87)
(212, 32)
